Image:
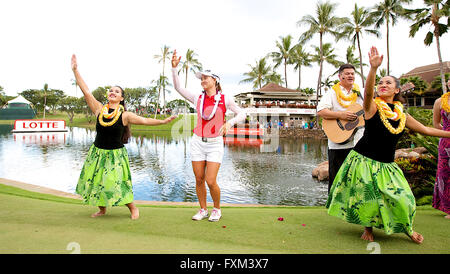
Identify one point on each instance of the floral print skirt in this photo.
(441, 195)
(372, 194)
(105, 178)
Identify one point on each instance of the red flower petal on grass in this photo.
(224, 226)
(303, 224)
(281, 219)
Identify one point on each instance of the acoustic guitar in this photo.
(342, 131)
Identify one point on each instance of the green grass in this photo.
(40, 223)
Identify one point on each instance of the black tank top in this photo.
(378, 143)
(109, 137)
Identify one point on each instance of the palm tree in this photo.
(44, 93)
(436, 84)
(388, 11)
(324, 22)
(161, 84)
(327, 83)
(191, 63)
(435, 10)
(359, 22)
(420, 87)
(165, 55)
(325, 55)
(284, 54)
(300, 58)
(382, 73)
(261, 74)
(350, 59)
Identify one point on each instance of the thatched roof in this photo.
(429, 72)
(272, 87)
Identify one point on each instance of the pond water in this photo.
(161, 167)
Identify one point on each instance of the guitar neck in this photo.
(359, 113)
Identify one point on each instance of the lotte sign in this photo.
(39, 126)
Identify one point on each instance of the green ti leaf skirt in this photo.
(372, 194)
(105, 178)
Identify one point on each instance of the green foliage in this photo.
(424, 116)
(285, 53)
(179, 103)
(308, 91)
(2, 97)
(72, 105)
(326, 55)
(429, 142)
(261, 74)
(420, 174)
(420, 86)
(37, 97)
(100, 93)
(436, 84)
(425, 200)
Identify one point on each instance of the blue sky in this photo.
(115, 41)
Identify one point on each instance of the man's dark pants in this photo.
(335, 159)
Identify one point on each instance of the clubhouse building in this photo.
(273, 103)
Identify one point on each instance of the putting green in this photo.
(41, 223)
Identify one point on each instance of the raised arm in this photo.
(375, 60)
(93, 104)
(176, 81)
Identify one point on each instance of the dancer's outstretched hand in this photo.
(170, 119)
(375, 59)
(74, 62)
(175, 60)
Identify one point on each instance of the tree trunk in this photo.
(387, 42)
(441, 65)
(157, 101)
(164, 87)
(360, 60)
(299, 77)
(285, 73)
(185, 101)
(45, 103)
(319, 82)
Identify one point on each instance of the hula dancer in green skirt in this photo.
(370, 188)
(105, 178)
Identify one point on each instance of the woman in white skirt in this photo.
(207, 144)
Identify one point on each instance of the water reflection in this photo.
(161, 167)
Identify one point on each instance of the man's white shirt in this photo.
(329, 101)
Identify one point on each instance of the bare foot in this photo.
(98, 214)
(447, 217)
(367, 235)
(134, 213)
(417, 238)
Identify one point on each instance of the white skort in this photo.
(210, 151)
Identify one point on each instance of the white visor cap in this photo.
(207, 73)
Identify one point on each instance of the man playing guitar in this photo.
(333, 105)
